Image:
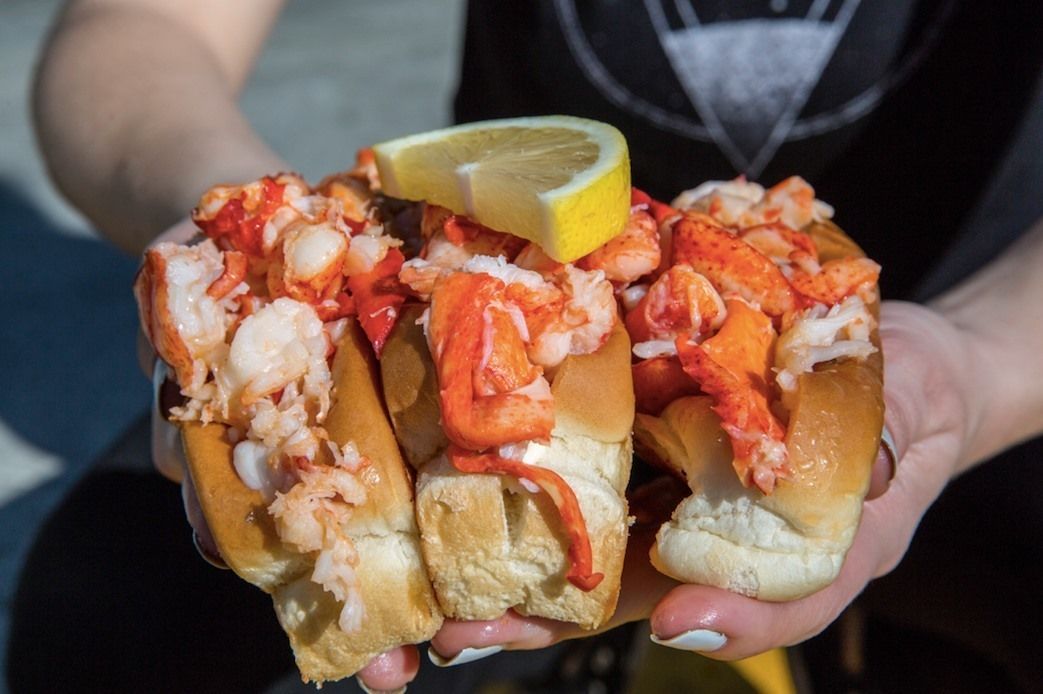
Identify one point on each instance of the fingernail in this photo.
(363, 687)
(467, 655)
(166, 436)
(702, 640)
(887, 440)
(208, 554)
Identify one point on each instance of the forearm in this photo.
(1000, 312)
(136, 115)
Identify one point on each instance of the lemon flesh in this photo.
(560, 181)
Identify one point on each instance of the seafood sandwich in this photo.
(296, 467)
(510, 389)
(317, 355)
(756, 345)
(506, 375)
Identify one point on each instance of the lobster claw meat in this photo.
(734, 368)
(378, 297)
(581, 558)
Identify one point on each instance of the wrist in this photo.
(194, 162)
(1005, 394)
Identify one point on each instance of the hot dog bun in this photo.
(792, 542)
(489, 544)
(400, 606)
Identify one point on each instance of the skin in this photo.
(135, 108)
(110, 116)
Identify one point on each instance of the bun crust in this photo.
(489, 544)
(411, 389)
(791, 543)
(236, 515)
(400, 606)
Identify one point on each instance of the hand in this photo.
(929, 413)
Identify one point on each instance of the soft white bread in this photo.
(489, 544)
(400, 606)
(791, 543)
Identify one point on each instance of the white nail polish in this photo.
(702, 640)
(887, 440)
(167, 454)
(467, 655)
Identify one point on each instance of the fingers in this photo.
(710, 620)
(880, 477)
(167, 454)
(146, 355)
(885, 467)
(729, 626)
(181, 233)
(458, 642)
(202, 538)
(390, 671)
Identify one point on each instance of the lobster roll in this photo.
(540, 525)
(510, 390)
(267, 325)
(759, 378)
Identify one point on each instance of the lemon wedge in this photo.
(560, 181)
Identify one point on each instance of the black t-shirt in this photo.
(921, 121)
(898, 111)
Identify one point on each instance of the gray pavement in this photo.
(335, 76)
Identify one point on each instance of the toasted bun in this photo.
(489, 545)
(236, 515)
(792, 542)
(400, 606)
(411, 390)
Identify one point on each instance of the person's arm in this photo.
(1000, 309)
(962, 383)
(135, 107)
(136, 115)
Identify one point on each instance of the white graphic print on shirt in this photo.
(746, 78)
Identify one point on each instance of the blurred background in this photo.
(72, 385)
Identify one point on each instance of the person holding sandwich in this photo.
(938, 181)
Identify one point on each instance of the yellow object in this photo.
(661, 669)
(664, 669)
(560, 181)
(769, 672)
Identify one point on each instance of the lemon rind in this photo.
(605, 172)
